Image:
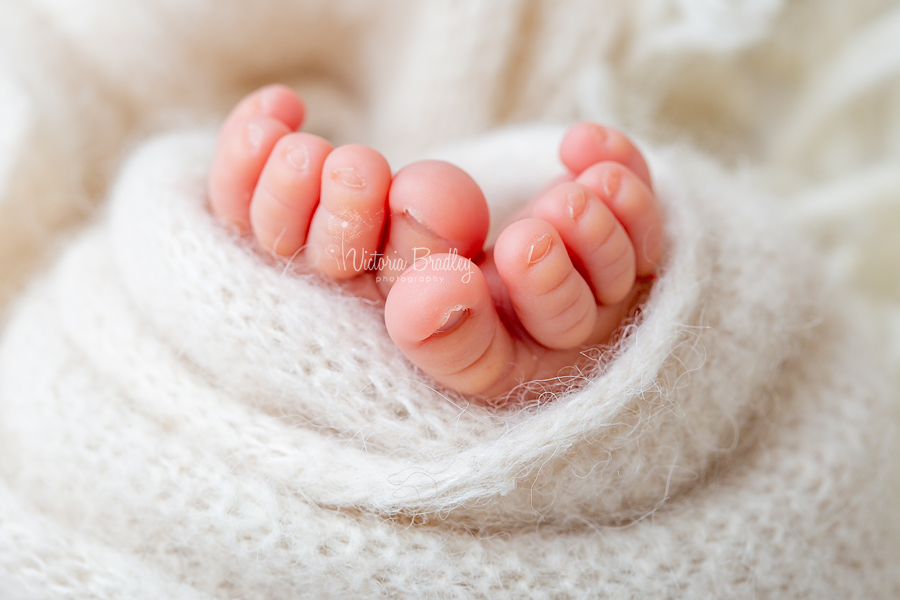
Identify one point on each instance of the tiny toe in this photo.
(245, 141)
(587, 143)
(241, 153)
(634, 205)
(288, 192)
(441, 316)
(346, 229)
(435, 208)
(551, 299)
(598, 244)
(276, 101)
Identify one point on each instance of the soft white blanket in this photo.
(182, 417)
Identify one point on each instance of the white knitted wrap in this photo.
(183, 417)
(241, 425)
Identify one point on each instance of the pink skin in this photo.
(561, 277)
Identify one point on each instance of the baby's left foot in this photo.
(559, 279)
(337, 211)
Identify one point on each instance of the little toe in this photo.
(288, 192)
(435, 208)
(245, 141)
(598, 244)
(346, 229)
(276, 101)
(586, 144)
(441, 316)
(634, 205)
(240, 156)
(550, 298)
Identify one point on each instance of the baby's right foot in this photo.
(560, 279)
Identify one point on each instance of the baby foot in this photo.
(559, 279)
(330, 208)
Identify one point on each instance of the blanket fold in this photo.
(228, 426)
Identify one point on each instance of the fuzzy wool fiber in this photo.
(185, 417)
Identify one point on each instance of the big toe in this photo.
(435, 207)
(441, 316)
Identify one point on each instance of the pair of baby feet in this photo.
(559, 278)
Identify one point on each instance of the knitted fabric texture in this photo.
(181, 416)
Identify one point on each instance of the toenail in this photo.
(575, 202)
(298, 157)
(416, 221)
(349, 176)
(540, 247)
(453, 318)
(266, 100)
(600, 135)
(611, 182)
(254, 135)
